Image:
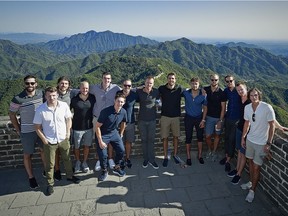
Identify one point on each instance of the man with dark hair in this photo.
(53, 124)
(260, 122)
(232, 117)
(104, 94)
(170, 95)
(26, 103)
(107, 132)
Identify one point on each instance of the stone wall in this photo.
(274, 173)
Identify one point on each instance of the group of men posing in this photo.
(107, 111)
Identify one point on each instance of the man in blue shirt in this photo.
(106, 130)
(232, 116)
(196, 109)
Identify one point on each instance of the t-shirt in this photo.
(147, 110)
(171, 100)
(26, 106)
(193, 106)
(242, 120)
(83, 112)
(214, 100)
(110, 119)
(264, 113)
(129, 106)
(234, 103)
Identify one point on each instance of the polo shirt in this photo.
(147, 108)
(83, 112)
(104, 98)
(171, 100)
(110, 119)
(53, 121)
(194, 106)
(214, 100)
(26, 106)
(129, 106)
(234, 103)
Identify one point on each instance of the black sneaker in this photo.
(201, 161)
(189, 162)
(223, 161)
(177, 160)
(154, 165)
(128, 163)
(49, 190)
(165, 162)
(33, 183)
(227, 167)
(236, 179)
(145, 164)
(123, 164)
(74, 179)
(118, 171)
(232, 173)
(44, 174)
(103, 175)
(57, 175)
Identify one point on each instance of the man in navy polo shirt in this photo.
(107, 132)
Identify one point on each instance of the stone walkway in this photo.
(196, 190)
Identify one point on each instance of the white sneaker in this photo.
(246, 186)
(250, 196)
(97, 165)
(85, 167)
(208, 155)
(111, 164)
(77, 166)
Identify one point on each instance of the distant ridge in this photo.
(95, 42)
(240, 44)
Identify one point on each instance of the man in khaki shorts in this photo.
(170, 95)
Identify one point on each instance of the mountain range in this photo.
(89, 54)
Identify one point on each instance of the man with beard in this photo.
(170, 95)
(26, 103)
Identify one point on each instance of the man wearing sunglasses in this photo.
(25, 104)
(260, 122)
(232, 116)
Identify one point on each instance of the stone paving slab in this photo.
(196, 190)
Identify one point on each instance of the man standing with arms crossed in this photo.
(104, 94)
(170, 95)
(260, 122)
(53, 124)
(26, 103)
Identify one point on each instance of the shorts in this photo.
(29, 140)
(210, 126)
(255, 152)
(129, 133)
(82, 137)
(169, 122)
(238, 141)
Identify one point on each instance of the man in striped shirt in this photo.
(25, 103)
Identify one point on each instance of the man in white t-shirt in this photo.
(258, 132)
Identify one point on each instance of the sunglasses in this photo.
(214, 80)
(229, 81)
(30, 83)
(253, 117)
(127, 86)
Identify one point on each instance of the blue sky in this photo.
(192, 19)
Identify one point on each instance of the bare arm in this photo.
(244, 134)
(14, 121)
(202, 123)
(279, 126)
(40, 133)
(102, 145)
(122, 128)
(68, 127)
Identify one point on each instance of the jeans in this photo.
(147, 131)
(230, 136)
(115, 140)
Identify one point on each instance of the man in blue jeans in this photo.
(106, 132)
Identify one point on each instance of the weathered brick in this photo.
(278, 151)
(279, 142)
(284, 176)
(14, 141)
(283, 193)
(5, 147)
(277, 166)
